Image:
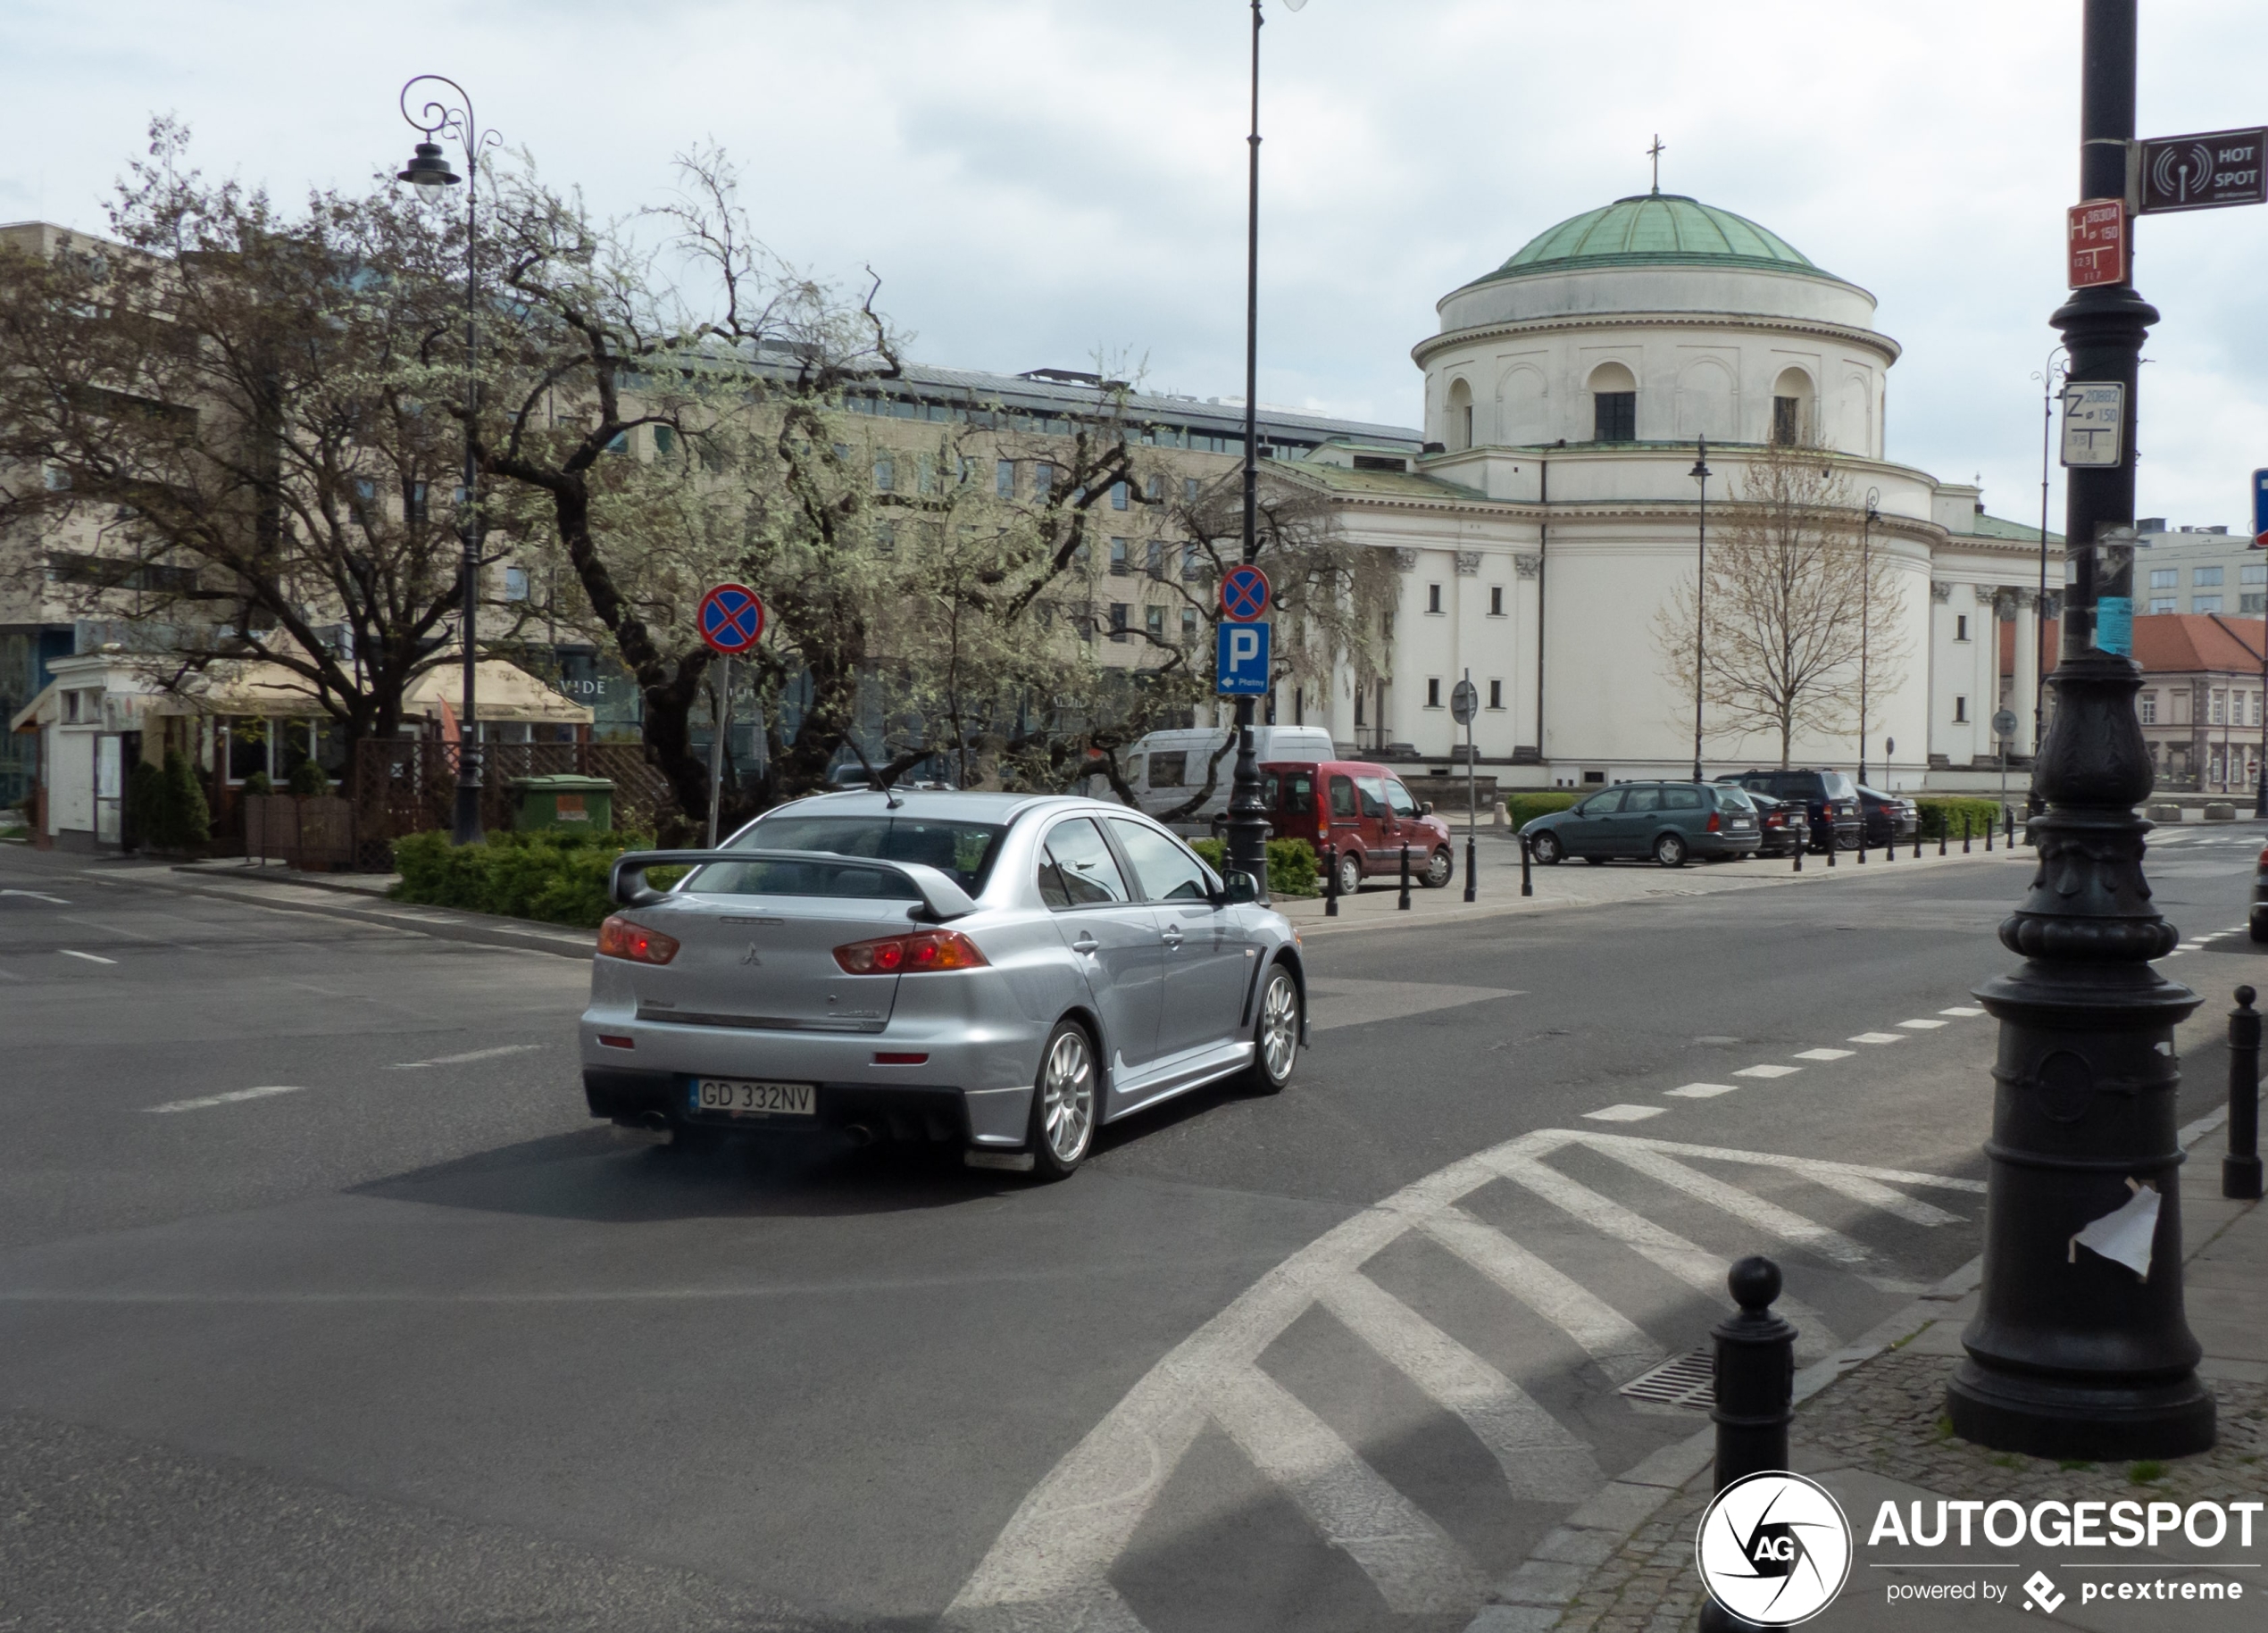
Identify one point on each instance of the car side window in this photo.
(1088, 870)
(1642, 799)
(1398, 796)
(1602, 805)
(1270, 789)
(1374, 791)
(1167, 872)
(1299, 794)
(1342, 798)
(1680, 799)
(1052, 891)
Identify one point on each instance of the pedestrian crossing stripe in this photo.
(1050, 1566)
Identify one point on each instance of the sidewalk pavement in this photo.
(1869, 1426)
(1575, 884)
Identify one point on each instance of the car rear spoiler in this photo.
(941, 896)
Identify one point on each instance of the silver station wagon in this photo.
(1004, 972)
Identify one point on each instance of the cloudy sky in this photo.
(1042, 181)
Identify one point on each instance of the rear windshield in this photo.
(1734, 799)
(1838, 786)
(962, 851)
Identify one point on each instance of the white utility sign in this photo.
(2094, 418)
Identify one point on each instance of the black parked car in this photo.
(1889, 816)
(1782, 825)
(1826, 796)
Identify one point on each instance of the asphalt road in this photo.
(323, 1305)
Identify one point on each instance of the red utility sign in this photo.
(2098, 243)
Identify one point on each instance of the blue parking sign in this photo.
(1240, 660)
(2260, 508)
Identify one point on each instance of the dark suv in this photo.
(1826, 796)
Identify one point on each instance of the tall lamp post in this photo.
(1866, 617)
(2079, 1347)
(1249, 825)
(2049, 373)
(1700, 473)
(432, 177)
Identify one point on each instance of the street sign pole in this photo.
(2072, 1354)
(1465, 702)
(718, 716)
(2260, 542)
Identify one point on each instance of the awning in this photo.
(503, 692)
(28, 718)
(246, 687)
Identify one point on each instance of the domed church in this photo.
(1554, 517)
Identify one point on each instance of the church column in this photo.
(1526, 643)
(2026, 603)
(1984, 684)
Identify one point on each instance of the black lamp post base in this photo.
(2045, 1416)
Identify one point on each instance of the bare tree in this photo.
(1788, 591)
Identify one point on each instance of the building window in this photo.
(1154, 489)
(1118, 496)
(515, 584)
(1004, 479)
(1189, 490)
(414, 504)
(885, 537)
(1496, 601)
(2166, 578)
(1192, 564)
(1358, 707)
(1786, 420)
(1153, 621)
(2165, 605)
(2253, 572)
(2218, 708)
(1119, 610)
(1433, 692)
(1043, 479)
(1960, 710)
(1959, 626)
(1119, 563)
(1432, 597)
(1188, 626)
(2253, 601)
(2148, 705)
(2205, 577)
(885, 476)
(1616, 416)
(1157, 558)
(2204, 603)
(1496, 694)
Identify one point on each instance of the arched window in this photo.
(1614, 404)
(1458, 432)
(1522, 407)
(1794, 420)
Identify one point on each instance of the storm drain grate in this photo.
(1686, 1382)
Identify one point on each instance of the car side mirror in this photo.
(1242, 888)
(1425, 807)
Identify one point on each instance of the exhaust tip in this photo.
(654, 1122)
(861, 1135)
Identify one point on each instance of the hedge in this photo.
(1949, 811)
(559, 877)
(1525, 808)
(1292, 868)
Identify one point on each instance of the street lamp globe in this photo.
(429, 172)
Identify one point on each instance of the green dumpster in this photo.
(562, 800)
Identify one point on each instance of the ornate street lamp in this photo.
(1701, 474)
(2047, 374)
(2079, 1347)
(1249, 826)
(428, 172)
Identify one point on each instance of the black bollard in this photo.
(1990, 826)
(1404, 905)
(1330, 884)
(2240, 1169)
(1942, 826)
(1527, 884)
(1471, 871)
(1917, 841)
(1797, 851)
(1862, 841)
(1964, 833)
(1889, 844)
(1755, 1392)
(2011, 810)
(1834, 842)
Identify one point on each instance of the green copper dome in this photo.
(1655, 229)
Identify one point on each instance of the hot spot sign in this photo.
(731, 619)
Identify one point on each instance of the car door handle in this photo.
(1085, 944)
(1173, 937)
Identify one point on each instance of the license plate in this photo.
(743, 1096)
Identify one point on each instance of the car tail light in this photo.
(2263, 858)
(617, 1040)
(915, 954)
(891, 1058)
(618, 937)
(1714, 823)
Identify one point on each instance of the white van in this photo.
(1165, 768)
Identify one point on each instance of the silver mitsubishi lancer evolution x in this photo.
(1002, 971)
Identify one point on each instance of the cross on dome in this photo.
(1656, 152)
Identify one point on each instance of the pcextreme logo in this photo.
(1774, 1549)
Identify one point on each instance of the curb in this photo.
(1535, 1594)
(411, 919)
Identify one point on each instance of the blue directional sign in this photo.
(1240, 660)
(2260, 509)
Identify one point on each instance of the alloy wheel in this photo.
(1279, 1027)
(1067, 1097)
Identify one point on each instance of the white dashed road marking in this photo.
(1876, 1038)
(1961, 1009)
(1921, 1026)
(230, 1098)
(1824, 1054)
(92, 958)
(460, 1060)
(1702, 1091)
(1767, 1072)
(1624, 1113)
(37, 897)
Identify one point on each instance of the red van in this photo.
(1361, 815)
